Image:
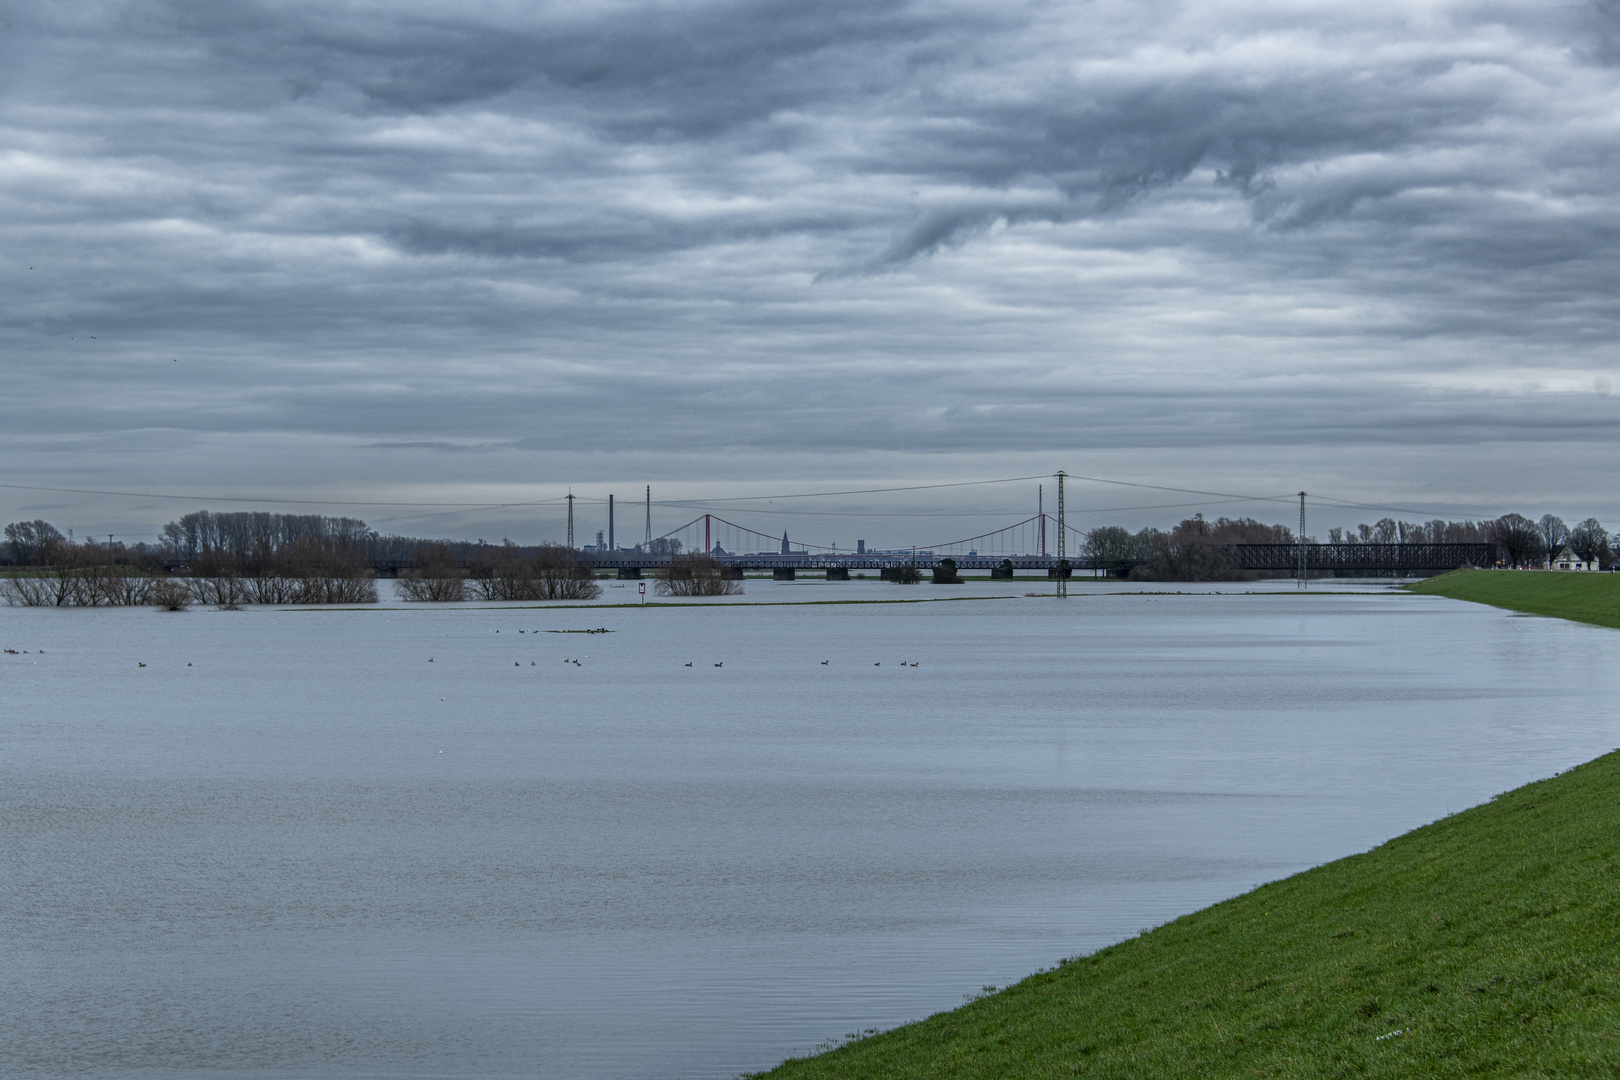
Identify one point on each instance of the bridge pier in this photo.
(837, 573)
(1061, 570)
(782, 573)
(1004, 572)
(629, 573)
(731, 573)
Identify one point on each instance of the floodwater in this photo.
(423, 841)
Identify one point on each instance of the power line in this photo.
(859, 491)
(714, 504)
(256, 499)
(1186, 491)
(1376, 506)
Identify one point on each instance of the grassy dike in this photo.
(1485, 944)
(1590, 598)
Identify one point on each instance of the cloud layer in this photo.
(533, 243)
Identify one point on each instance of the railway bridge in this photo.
(1272, 560)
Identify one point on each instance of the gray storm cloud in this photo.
(897, 233)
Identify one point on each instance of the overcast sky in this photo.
(435, 252)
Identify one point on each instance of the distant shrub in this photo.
(169, 594)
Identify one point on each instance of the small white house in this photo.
(1568, 560)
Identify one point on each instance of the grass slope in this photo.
(1590, 598)
(1489, 940)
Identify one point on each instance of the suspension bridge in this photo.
(1039, 543)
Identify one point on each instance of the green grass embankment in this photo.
(1485, 944)
(1584, 597)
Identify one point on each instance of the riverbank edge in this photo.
(1485, 943)
(1579, 597)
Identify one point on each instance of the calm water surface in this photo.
(314, 853)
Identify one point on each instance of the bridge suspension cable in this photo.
(731, 533)
(1018, 538)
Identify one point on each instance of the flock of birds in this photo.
(577, 663)
(569, 660)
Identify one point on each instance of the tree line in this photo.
(1200, 550)
(195, 565)
(549, 572)
(232, 559)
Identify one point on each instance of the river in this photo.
(424, 841)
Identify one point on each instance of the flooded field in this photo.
(469, 841)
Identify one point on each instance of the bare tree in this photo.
(32, 543)
(108, 581)
(1554, 534)
(437, 576)
(169, 594)
(1518, 538)
(1589, 540)
(28, 590)
(504, 574)
(1199, 550)
(696, 575)
(277, 583)
(554, 572)
(565, 577)
(216, 580)
(1115, 549)
(331, 570)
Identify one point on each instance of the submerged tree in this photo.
(437, 576)
(696, 575)
(330, 570)
(552, 572)
(170, 595)
(564, 576)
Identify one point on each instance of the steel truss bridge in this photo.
(1344, 560)
(1282, 560)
